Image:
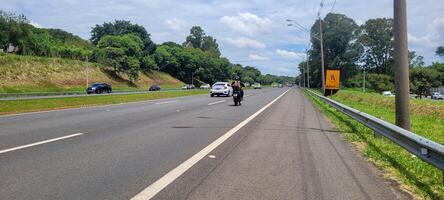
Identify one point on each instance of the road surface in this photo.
(286, 151)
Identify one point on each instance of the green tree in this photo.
(379, 82)
(198, 39)
(422, 79)
(377, 39)
(440, 51)
(122, 27)
(122, 53)
(195, 38)
(416, 60)
(340, 49)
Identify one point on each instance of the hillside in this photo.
(39, 74)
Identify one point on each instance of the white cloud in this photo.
(175, 24)
(289, 54)
(244, 42)
(257, 57)
(247, 23)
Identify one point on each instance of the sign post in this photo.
(332, 81)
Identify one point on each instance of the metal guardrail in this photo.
(425, 149)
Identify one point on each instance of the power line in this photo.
(333, 6)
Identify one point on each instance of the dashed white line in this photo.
(40, 143)
(166, 102)
(248, 95)
(217, 102)
(168, 178)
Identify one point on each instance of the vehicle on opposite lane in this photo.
(437, 96)
(221, 88)
(99, 88)
(205, 86)
(154, 88)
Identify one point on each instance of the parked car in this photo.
(154, 88)
(188, 87)
(221, 88)
(247, 84)
(257, 86)
(99, 88)
(205, 86)
(437, 96)
(388, 94)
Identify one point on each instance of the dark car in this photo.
(99, 88)
(154, 88)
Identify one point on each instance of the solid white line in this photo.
(168, 178)
(214, 103)
(39, 143)
(166, 102)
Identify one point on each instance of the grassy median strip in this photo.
(32, 105)
(415, 176)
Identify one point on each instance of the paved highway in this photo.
(180, 149)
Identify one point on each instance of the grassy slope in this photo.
(37, 74)
(427, 120)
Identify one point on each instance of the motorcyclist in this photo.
(237, 87)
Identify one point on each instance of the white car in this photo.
(437, 95)
(257, 86)
(221, 88)
(388, 94)
(205, 86)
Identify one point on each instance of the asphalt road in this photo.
(114, 152)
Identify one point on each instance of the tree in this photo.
(379, 82)
(377, 39)
(122, 53)
(422, 79)
(210, 44)
(122, 27)
(198, 39)
(416, 60)
(440, 51)
(195, 38)
(340, 48)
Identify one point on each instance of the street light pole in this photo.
(322, 55)
(402, 82)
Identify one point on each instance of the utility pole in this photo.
(308, 70)
(322, 55)
(363, 84)
(303, 75)
(87, 72)
(402, 82)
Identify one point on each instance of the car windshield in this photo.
(219, 84)
(96, 85)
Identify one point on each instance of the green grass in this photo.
(31, 105)
(415, 176)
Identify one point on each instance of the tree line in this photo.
(124, 48)
(368, 48)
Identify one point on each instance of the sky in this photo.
(249, 32)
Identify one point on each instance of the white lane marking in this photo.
(248, 95)
(214, 103)
(166, 102)
(39, 143)
(168, 178)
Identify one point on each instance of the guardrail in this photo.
(425, 149)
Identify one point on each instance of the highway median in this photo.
(34, 105)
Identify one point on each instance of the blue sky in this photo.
(249, 32)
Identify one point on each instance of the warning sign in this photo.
(332, 79)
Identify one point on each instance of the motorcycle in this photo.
(237, 98)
